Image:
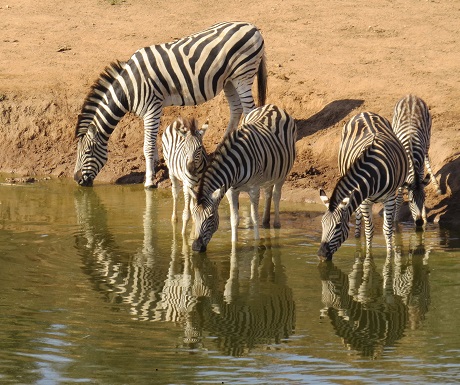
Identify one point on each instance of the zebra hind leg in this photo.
(236, 109)
(268, 192)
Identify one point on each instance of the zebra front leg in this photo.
(388, 222)
(254, 195)
(151, 124)
(358, 220)
(366, 211)
(175, 193)
(276, 203)
(186, 212)
(432, 177)
(268, 192)
(233, 197)
(398, 203)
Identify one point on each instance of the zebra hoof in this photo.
(151, 186)
(266, 225)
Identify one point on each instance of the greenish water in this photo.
(97, 287)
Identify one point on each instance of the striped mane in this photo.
(337, 195)
(96, 95)
(211, 158)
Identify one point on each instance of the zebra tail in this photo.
(262, 82)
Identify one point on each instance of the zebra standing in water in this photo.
(186, 159)
(374, 165)
(259, 154)
(412, 125)
(189, 71)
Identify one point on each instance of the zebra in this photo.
(186, 158)
(259, 154)
(374, 165)
(412, 125)
(188, 71)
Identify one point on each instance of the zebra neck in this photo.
(351, 188)
(216, 180)
(106, 103)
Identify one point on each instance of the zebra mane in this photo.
(343, 185)
(96, 94)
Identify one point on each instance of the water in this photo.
(97, 287)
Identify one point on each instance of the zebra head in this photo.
(196, 156)
(416, 196)
(206, 218)
(335, 226)
(91, 155)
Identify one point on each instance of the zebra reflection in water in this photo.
(370, 311)
(243, 304)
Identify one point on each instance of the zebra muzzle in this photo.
(198, 245)
(82, 180)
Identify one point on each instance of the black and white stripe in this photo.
(259, 154)
(374, 165)
(189, 71)
(186, 158)
(412, 125)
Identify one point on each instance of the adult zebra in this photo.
(259, 154)
(373, 164)
(186, 159)
(189, 71)
(412, 125)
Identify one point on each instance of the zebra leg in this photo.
(398, 203)
(268, 191)
(388, 222)
(151, 124)
(236, 109)
(276, 203)
(432, 177)
(244, 90)
(366, 210)
(233, 197)
(186, 212)
(175, 193)
(358, 219)
(254, 195)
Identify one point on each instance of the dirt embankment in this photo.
(326, 62)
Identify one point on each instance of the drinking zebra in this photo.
(412, 125)
(373, 164)
(189, 71)
(186, 159)
(259, 154)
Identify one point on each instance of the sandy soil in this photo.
(327, 60)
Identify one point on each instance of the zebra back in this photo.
(412, 125)
(183, 150)
(260, 152)
(357, 135)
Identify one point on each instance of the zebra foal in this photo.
(186, 159)
(259, 154)
(189, 71)
(412, 125)
(373, 164)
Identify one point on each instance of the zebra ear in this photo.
(180, 126)
(204, 127)
(218, 194)
(427, 179)
(344, 203)
(324, 198)
(92, 131)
